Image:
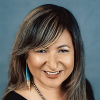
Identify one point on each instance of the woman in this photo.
(47, 60)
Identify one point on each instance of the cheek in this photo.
(68, 62)
(68, 65)
(35, 61)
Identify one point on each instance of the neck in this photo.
(49, 93)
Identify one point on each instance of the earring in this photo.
(27, 78)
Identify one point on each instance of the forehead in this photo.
(64, 39)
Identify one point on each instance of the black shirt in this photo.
(14, 96)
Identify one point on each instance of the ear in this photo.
(26, 61)
(26, 57)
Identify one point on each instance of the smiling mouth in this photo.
(52, 75)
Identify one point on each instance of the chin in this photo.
(52, 84)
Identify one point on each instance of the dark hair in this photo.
(42, 27)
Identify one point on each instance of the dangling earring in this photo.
(27, 78)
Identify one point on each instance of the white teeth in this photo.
(52, 73)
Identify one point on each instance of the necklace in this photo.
(38, 92)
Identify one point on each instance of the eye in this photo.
(63, 51)
(41, 51)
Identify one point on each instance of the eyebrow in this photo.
(60, 46)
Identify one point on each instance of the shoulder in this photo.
(12, 95)
(89, 91)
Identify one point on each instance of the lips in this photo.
(52, 75)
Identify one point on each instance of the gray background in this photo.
(87, 13)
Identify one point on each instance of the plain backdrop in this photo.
(87, 13)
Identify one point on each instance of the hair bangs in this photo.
(47, 29)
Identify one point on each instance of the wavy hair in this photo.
(41, 28)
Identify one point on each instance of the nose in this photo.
(52, 62)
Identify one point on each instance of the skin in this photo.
(51, 59)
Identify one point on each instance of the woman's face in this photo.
(51, 66)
